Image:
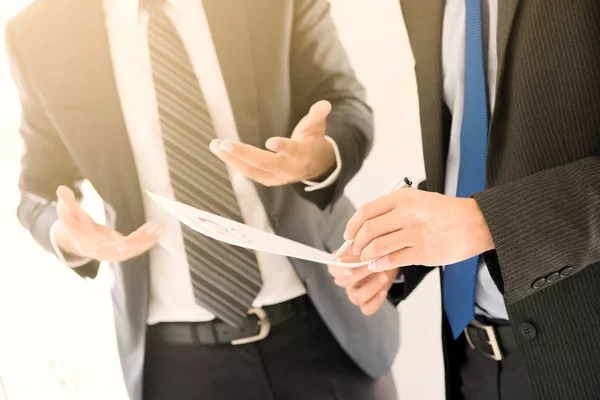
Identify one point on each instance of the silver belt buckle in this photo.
(263, 322)
(492, 340)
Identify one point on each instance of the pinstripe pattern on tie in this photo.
(225, 279)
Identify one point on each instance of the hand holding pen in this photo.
(406, 182)
(416, 227)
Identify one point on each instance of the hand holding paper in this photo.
(366, 289)
(238, 234)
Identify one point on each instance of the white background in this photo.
(56, 338)
(374, 36)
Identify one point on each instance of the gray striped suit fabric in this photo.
(225, 278)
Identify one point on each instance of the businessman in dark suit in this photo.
(217, 104)
(510, 118)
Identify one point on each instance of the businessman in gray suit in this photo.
(246, 109)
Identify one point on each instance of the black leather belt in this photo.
(255, 327)
(491, 340)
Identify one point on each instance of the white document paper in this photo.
(242, 235)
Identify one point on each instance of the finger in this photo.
(400, 258)
(66, 214)
(342, 282)
(335, 271)
(373, 229)
(320, 110)
(368, 288)
(373, 305)
(67, 207)
(117, 251)
(258, 158)
(352, 276)
(132, 245)
(314, 121)
(109, 232)
(74, 219)
(349, 258)
(371, 210)
(283, 146)
(348, 255)
(342, 273)
(66, 195)
(345, 257)
(90, 240)
(264, 177)
(386, 244)
(144, 237)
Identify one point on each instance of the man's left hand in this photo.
(414, 227)
(364, 288)
(306, 155)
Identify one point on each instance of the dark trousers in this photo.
(486, 379)
(299, 360)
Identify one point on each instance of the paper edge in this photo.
(160, 200)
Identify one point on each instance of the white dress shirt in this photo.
(171, 295)
(488, 299)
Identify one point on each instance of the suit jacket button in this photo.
(538, 284)
(552, 277)
(566, 271)
(527, 331)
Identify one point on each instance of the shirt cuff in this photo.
(399, 278)
(313, 186)
(71, 261)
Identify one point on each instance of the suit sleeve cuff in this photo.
(313, 186)
(71, 261)
(400, 278)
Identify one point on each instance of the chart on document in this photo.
(238, 234)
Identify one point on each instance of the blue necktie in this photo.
(459, 278)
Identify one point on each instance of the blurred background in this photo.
(64, 346)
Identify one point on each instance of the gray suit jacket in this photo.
(277, 57)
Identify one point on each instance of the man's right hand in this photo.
(77, 235)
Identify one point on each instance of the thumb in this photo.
(320, 110)
(68, 206)
(314, 122)
(66, 195)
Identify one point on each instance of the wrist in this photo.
(480, 228)
(326, 162)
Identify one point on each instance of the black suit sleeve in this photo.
(45, 164)
(413, 276)
(542, 224)
(320, 70)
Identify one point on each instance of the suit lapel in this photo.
(104, 142)
(424, 20)
(507, 10)
(232, 24)
(230, 29)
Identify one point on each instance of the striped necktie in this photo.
(225, 279)
(459, 279)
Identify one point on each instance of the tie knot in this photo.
(151, 5)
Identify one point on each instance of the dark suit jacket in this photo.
(278, 58)
(542, 202)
